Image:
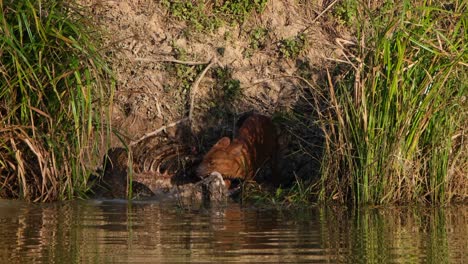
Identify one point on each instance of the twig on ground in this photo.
(172, 60)
(192, 95)
(319, 16)
(157, 131)
(283, 76)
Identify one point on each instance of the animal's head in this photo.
(223, 157)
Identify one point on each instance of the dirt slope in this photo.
(143, 37)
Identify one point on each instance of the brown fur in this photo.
(255, 144)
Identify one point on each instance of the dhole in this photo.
(255, 144)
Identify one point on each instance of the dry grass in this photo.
(54, 88)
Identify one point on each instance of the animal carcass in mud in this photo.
(174, 171)
(241, 158)
(168, 175)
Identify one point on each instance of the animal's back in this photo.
(259, 134)
(254, 144)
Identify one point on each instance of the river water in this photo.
(113, 231)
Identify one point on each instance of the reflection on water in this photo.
(118, 231)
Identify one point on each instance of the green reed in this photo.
(376, 235)
(54, 89)
(395, 131)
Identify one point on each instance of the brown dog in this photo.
(255, 144)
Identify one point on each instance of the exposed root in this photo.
(194, 89)
(319, 16)
(190, 63)
(156, 132)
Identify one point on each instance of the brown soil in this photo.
(141, 35)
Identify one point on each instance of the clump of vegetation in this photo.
(210, 15)
(292, 47)
(258, 38)
(304, 69)
(297, 195)
(345, 12)
(54, 89)
(395, 127)
(230, 88)
(184, 74)
(227, 91)
(239, 10)
(194, 13)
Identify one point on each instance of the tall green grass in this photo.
(395, 131)
(54, 89)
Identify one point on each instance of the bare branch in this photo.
(157, 131)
